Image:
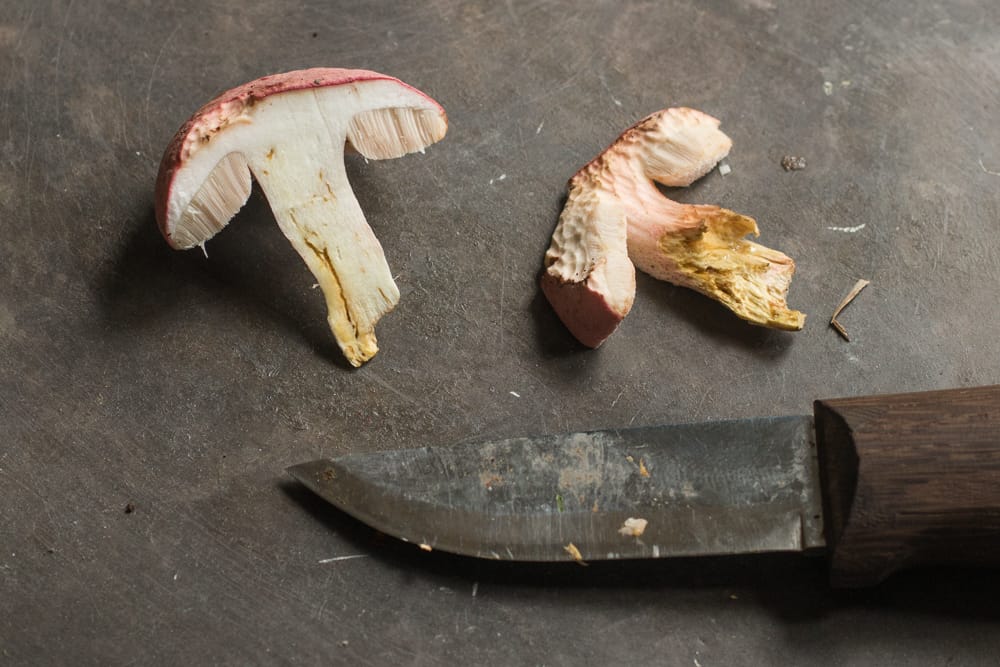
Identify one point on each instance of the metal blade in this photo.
(724, 487)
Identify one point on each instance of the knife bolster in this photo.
(909, 479)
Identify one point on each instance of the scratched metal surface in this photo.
(739, 486)
(134, 375)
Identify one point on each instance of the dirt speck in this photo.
(793, 163)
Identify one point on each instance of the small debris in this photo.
(574, 553)
(734, 596)
(633, 527)
(475, 588)
(849, 230)
(344, 642)
(643, 471)
(858, 286)
(515, 394)
(630, 459)
(793, 163)
(724, 169)
(828, 88)
(559, 502)
(129, 508)
(426, 547)
(538, 130)
(983, 167)
(335, 559)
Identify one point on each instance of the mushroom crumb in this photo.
(633, 527)
(426, 547)
(574, 553)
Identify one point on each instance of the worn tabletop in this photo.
(180, 387)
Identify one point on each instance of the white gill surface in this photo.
(387, 133)
(221, 196)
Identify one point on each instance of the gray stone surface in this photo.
(131, 373)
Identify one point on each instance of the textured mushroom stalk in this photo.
(615, 216)
(589, 279)
(703, 248)
(290, 132)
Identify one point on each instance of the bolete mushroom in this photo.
(290, 131)
(616, 217)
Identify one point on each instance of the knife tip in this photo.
(311, 470)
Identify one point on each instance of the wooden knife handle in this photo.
(910, 479)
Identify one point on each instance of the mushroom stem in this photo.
(317, 211)
(703, 248)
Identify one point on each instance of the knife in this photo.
(878, 483)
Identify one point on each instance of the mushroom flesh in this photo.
(290, 132)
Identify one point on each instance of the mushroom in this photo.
(615, 217)
(290, 131)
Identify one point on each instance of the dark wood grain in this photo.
(910, 479)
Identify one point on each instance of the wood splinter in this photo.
(858, 286)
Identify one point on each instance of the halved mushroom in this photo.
(615, 216)
(290, 131)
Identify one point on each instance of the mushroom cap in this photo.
(235, 107)
(674, 147)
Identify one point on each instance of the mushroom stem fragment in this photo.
(589, 277)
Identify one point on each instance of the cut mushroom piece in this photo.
(703, 248)
(290, 131)
(589, 278)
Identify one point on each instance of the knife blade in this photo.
(878, 483)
